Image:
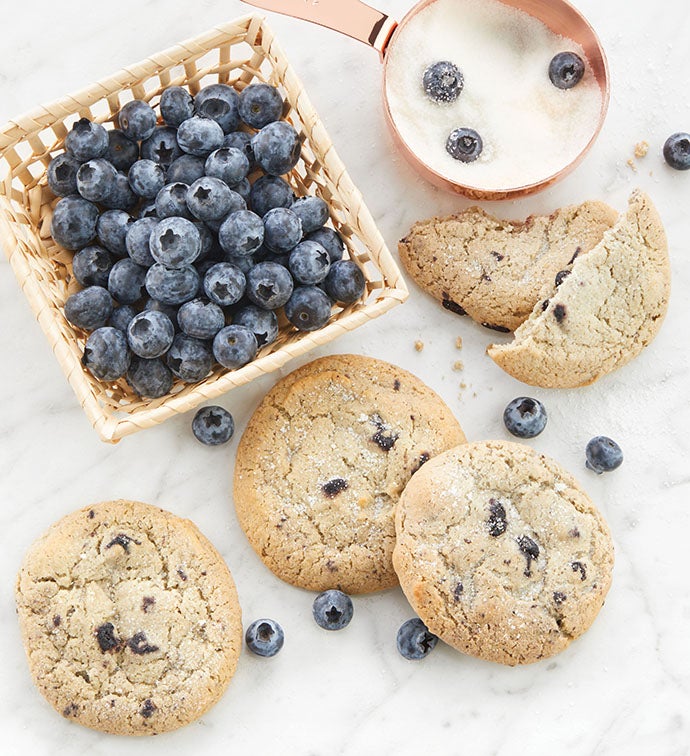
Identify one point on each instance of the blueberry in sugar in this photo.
(189, 359)
(62, 174)
(677, 151)
(150, 334)
(566, 69)
(308, 308)
(91, 266)
(525, 417)
(89, 308)
(234, 346)
(172, 286)
(268, 192)
(199, 136)
(242, 141)
(309, 262)
(122, 152)
(332, 610)
(241, 233)
(96, 180)
(172, 201)
(345, 282)
(137, 241)
(213, 426)
(277, 148)
(414, 640)
(146, 178)
(269, 285)
(122, 196)
(260, 104)
(312, 211)
(126, 281)
(111, 228)
(262, 323)
(229, 164)
(209, 198)
(443, 81)
(219, 102)
(106, 355)
(86, 140)
(149, 378)
(200, 319)
(73, 225)
(264, 637)
(603, 454)
(282, 230)
(464, 145)
(330, 240)
(224, 284)
(185, 169)
(137, 120)
(161, 146)
(121, 317)
(176, 105)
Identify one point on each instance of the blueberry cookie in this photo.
(322, 463)
(501, 553)
(130, 619)
(495, 270)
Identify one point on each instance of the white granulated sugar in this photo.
(530, 128)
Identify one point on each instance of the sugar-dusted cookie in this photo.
(130, 619)
(322, 463)
(495, 270)
(603, 314)
(501, 553)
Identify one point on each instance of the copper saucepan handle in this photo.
(350, 17)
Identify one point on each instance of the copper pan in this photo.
(378, 30)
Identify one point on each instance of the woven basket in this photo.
(236, 53)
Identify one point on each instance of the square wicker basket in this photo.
(236, 53)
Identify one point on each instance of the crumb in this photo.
(474, 394)
(419, 345)
(458, 342)
(457, 365)
(631, 164)
(463, 385)
(641, 149)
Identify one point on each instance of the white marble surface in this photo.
(623, 688)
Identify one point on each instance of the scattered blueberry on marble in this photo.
(106, 355)
(464, 145)
(525, 417)
(332, 610)
(603, 454)
(213, 426)
(414, 640)
(264, 637)
(566, 69)
(260, 104)
(443, 81)
(677, 151)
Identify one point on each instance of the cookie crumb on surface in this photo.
(419, 345)
(458, 342)
(458, 365)
(631, 164)
(641, 149)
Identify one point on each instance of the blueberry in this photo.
(243, 142)
(677, 151)
(122, 197)
(176, 105)
(89, 308)
(86, 140)
(229, 164)
(186, 169)
(309, 262)
(91, 266)
(167, 309)
(332, 610)
(234, 346)
(264, 637)
(282, 230)
(73, 225)
(150, 334)
(277, 148)
(172, 286)
(345, 282)
(122, 152)
(308, 309)
(566, 70)
(148, 210)
(207, 239)
(111, 228)
(199, 136)
(172, 201)
(330, 240)
(246, 263)
(220, 103)
(106, 355)
(525, 417)
(312, 211)
(209, 198)
(414, 640)
(126, 281)
(213, 426)
(121, 317)
(269, 285)
(149, 378)
(137, 241)
(464, 145)
(96, 180)
(62, 174)
(443, 81)
(244, 189)
(262, 323)
(224, 284)
(241, 233)
(146, 178)
(161, 146)
(175, 242)
(236, 202)
(137, 120)
(190, 359)
(268, 192)
(260, 104)
(200, 319)
(603, 455)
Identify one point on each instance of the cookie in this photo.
(322, 463)
(129, 617)
(501, 553)
(603, 314)
(495, 270)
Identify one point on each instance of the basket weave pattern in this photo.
(236, 53)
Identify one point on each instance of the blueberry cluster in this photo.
(187, 238)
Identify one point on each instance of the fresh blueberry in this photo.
(208, 240)
(190, 359)
(224, 284)
(277, 148)
(96, 180)
(126, 281)
(62, 174)
(228, 164)
(175, 242)
(234, 346)
(677, 151)
(122, 152)
(150, 334)
(186, 169)
(137, 120)
(91, 266)
(146, 178)
(137, 241)
(282, 230)
(220, 103)
(464, 145)
(172, 286)
(268, 192)
(312, 211)
(236, 202)
(213, 426)
(443, 81)
(73, 225)
(308, 309)
(111, 228)
(167, 309)
(89, 308)
(244, 189)
(332, 610)
(122, 317)
(149, 378)
(603, 455)
(566, 70)
(525, 417)
(209, 198)
(147, 210)
(246, 263)
(260, 104)
(122, 197)
(86, 140)
(309, 262)
(241, 233)
(262, 323)
(200, 319)
(345, 282)
(264, 637)
(106, 355)
(414, 640)
(176, 105)
(243, 142)
(172, 201)
(269, 285)
(161, 146)
(199, 136)
(330, 240)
